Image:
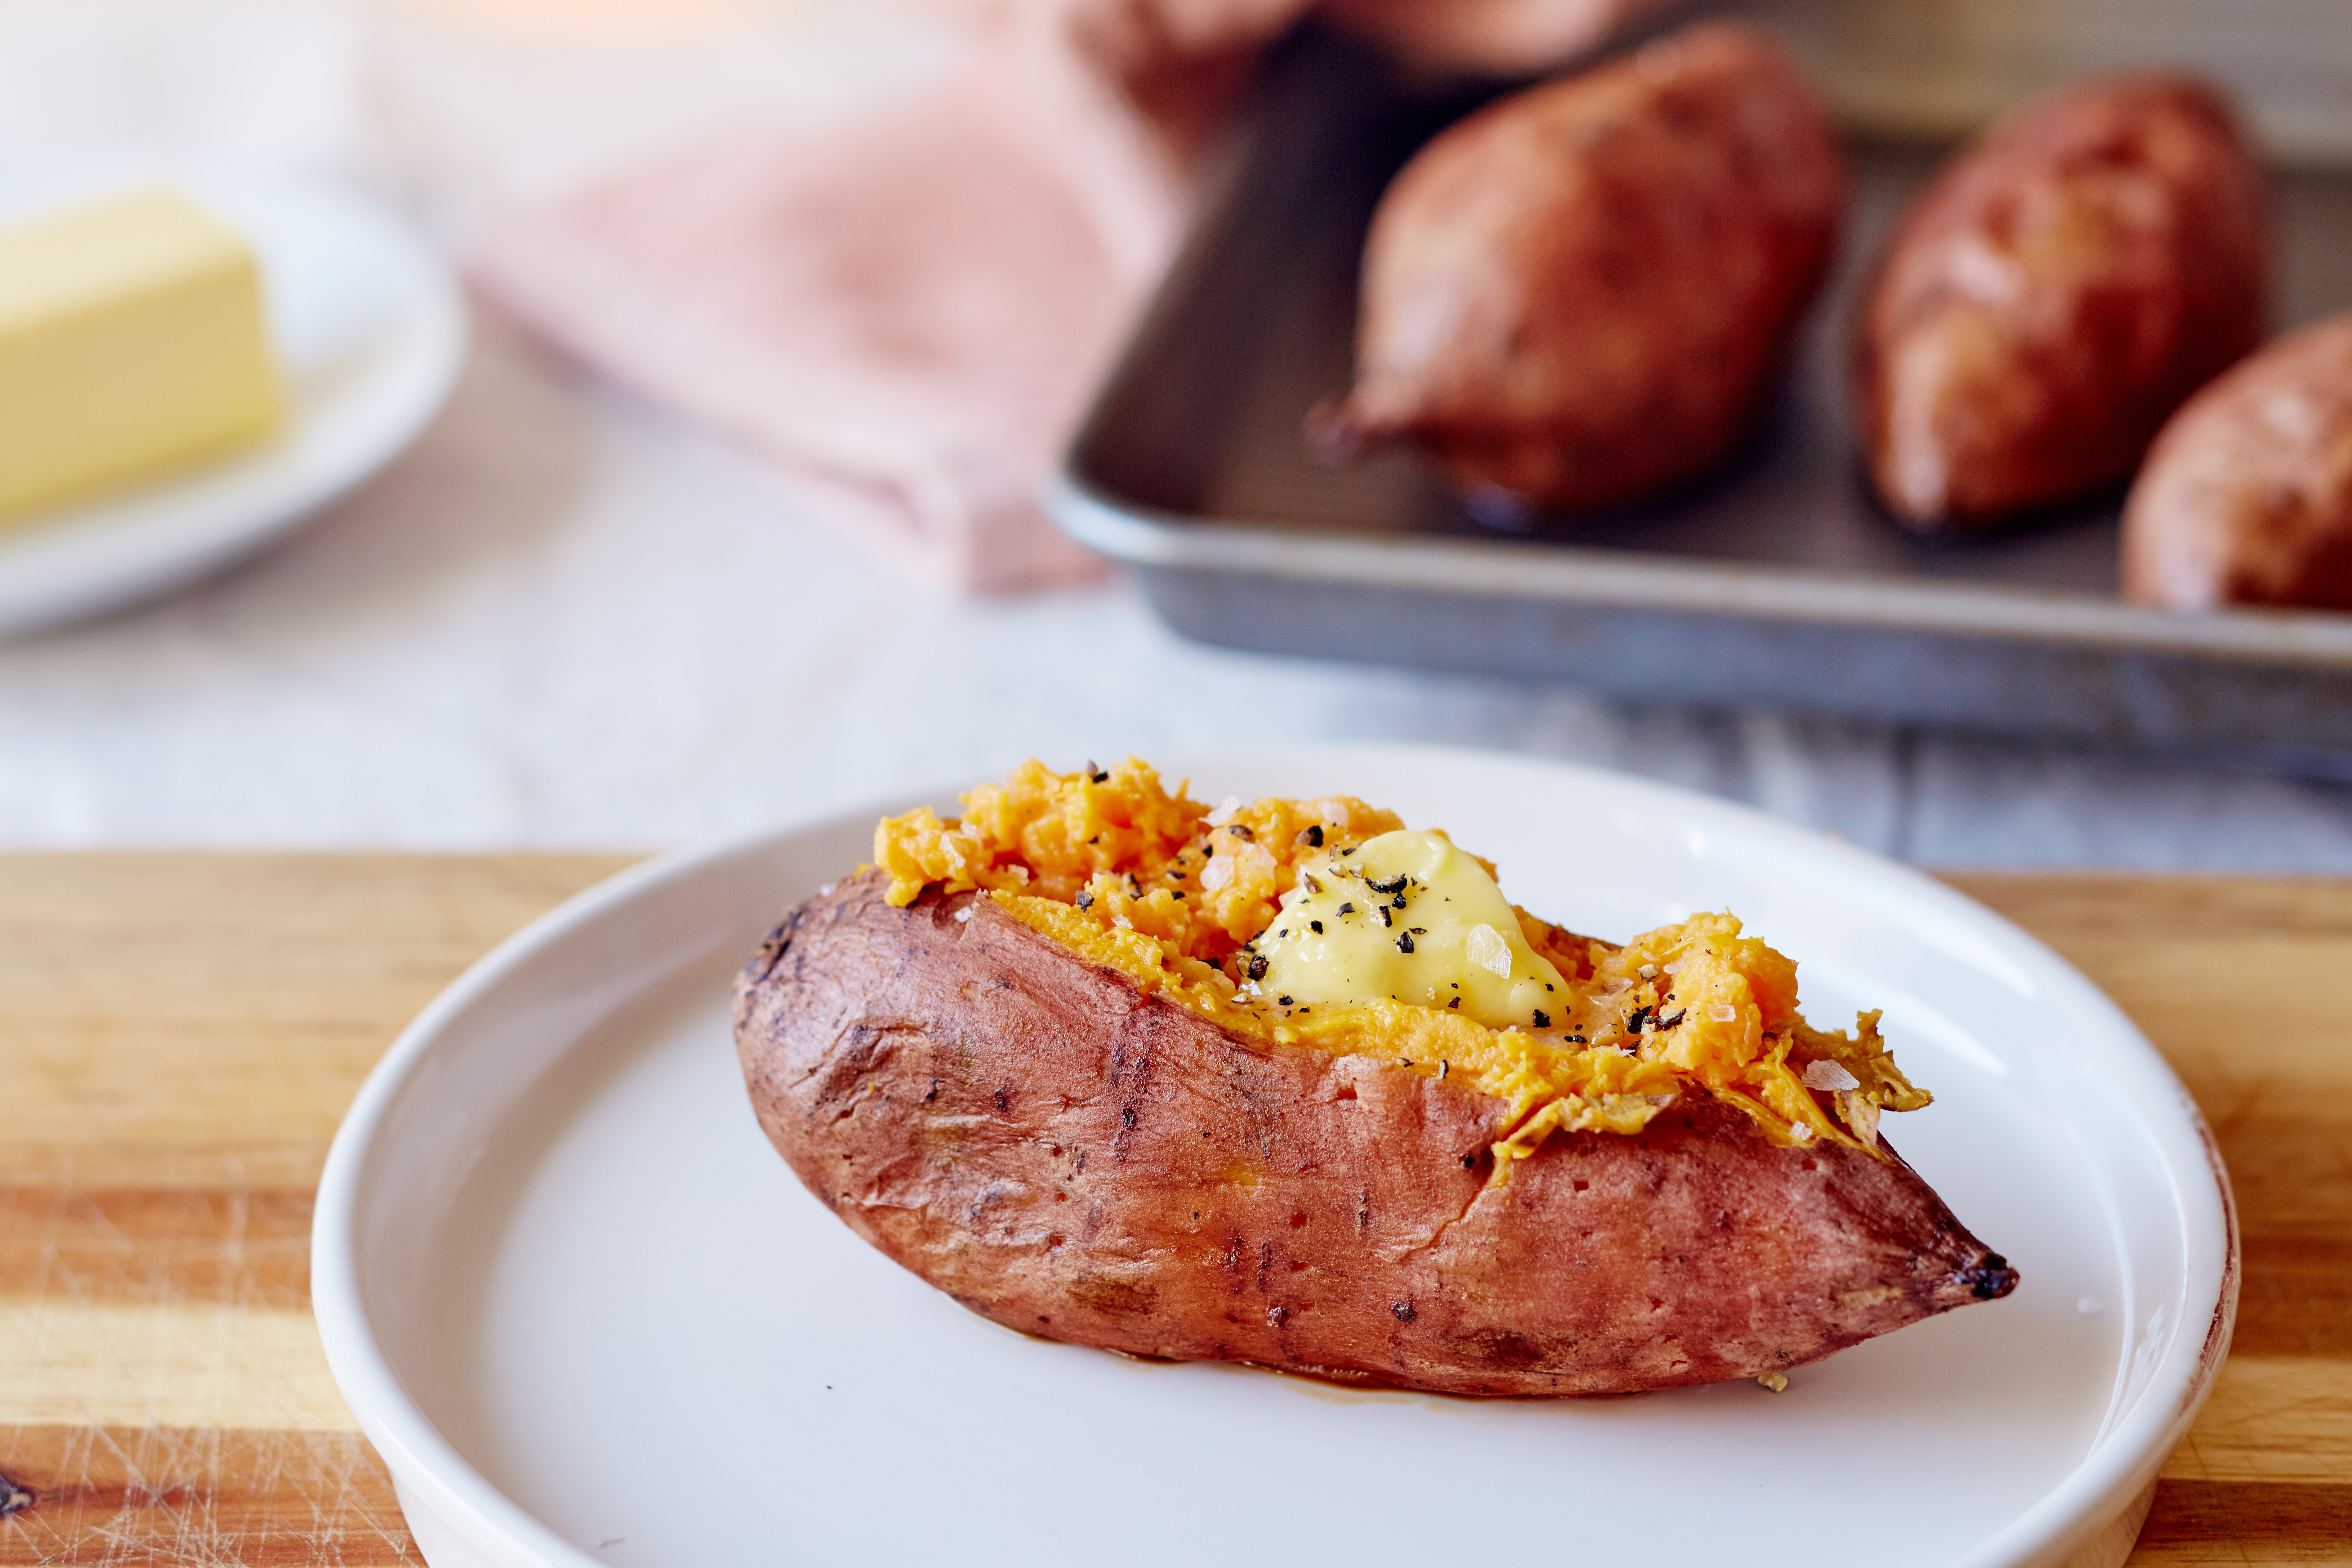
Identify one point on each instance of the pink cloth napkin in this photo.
(905, 312)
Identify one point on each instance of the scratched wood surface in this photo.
(179, 1033)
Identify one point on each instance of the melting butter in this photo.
(1407, 918)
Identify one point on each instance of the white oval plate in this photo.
(370, 329)
(587, 1316)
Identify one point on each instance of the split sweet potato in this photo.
(1034, 1135)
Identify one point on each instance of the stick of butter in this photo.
(132, 341)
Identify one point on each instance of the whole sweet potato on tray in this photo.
(1077, 1155)
(1581, 295)
(2053, 295)
(1501, 37)
(2246, 497)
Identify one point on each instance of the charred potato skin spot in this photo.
(2056, 292)
(1583, 295)
(2246, 498)
(874, 1068)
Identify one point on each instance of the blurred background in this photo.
(659, 569)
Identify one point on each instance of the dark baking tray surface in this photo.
(1776, 583)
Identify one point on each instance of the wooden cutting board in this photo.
(179, 1035)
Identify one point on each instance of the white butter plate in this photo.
(587, 1316)
(369, 327)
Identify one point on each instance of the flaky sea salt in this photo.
(1216, 873)
(1226, 810)
(1829, 1075)
(1723, 1013)
(1487, 950)
(963, 914)
(1801, 1131)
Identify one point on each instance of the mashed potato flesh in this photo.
(1211, 908)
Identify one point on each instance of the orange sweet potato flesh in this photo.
(1073, 1159)
(1581, 295)
(2053, 295)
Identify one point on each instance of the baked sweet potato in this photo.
(2053, 295)
(1496, 37)
(1181, 63)
(2246, 497)
(1062, 1151)
(1581, 295)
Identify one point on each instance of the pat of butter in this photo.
(131, 340)
(1408, 918)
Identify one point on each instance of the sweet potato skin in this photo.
(2246, 497)
(2053, 295)
(1581, 295)
(1070, 1158)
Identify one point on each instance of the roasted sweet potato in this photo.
(1581, 295)
(2246, 497)
(1181, 63)
(1065, 1152)
(2053, 295)
(1499, 38)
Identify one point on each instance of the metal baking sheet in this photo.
(1777, 583)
